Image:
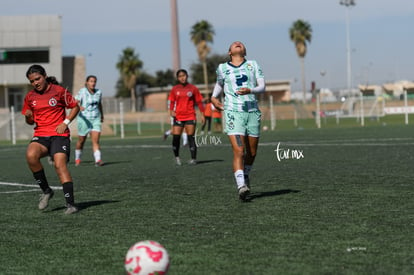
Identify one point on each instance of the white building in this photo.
(24, 41)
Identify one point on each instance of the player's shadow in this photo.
(115, 162)
(92, 163)
(258, 195)
(208, 161)
(84, 205)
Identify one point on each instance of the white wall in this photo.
(26, 32)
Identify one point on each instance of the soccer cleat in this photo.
(192, 162)
(247, 180)
(99, 163)
(178, 161)
(44, 200)
(244, 191)
(77, 162)
(70, 209)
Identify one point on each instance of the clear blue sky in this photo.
(381, 32)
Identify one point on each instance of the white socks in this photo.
(185, 138)
(78, 153)
(97, 155)
(239, 176)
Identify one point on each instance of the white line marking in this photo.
(17, 184)
(20, 191)
(25, 185)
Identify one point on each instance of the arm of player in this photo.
(260, 88)
(28, 115)
(201, 108)
(61, 128)
(214, 98)
(101, 110)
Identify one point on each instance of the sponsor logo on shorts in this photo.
(230, 125)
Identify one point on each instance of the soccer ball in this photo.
(147, 257)
(265, 128)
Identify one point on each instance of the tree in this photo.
(212, 61)
(202, 34)
(301, 32)
(121, 90)
(129, 66)
(165, 78)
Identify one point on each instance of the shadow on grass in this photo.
(114, 162)
(84, 205)
(208, 161)
(92, 163)
(259, 195)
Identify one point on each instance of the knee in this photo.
(238, 152)
(252, 153)
(32, 157)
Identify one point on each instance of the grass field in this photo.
(344, 205)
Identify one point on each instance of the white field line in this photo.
(24, 185)
(20, 191)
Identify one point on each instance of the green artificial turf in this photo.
(344, 205)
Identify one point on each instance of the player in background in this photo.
(241, 80)
(208, 112)
(182, 100)
(217, 121)
(169, 131)
(90, 119)
(45, 106)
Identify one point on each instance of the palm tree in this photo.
(202, 33)
(301, 32)
(129, 65)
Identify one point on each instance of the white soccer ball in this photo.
(265, 128)
(147, 257)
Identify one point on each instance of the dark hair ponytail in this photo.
(40, 70)
(36, 69)
(52, 80)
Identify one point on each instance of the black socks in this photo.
(40, 178)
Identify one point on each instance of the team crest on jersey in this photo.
(249, 67)
(52, 102)
(189, 94)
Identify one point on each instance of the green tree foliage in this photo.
(300, 33)
(202, 34)
(197, 74)
(129, 66)
(164, 78)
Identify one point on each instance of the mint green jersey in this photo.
(90, 102)
(232, 78)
